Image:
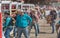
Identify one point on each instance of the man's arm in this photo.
(29, 18)
(37, 18)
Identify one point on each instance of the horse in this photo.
(48, 19)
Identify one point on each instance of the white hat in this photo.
(20, 10)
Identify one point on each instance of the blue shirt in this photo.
(7, 22)
(23, 21)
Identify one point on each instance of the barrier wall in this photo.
(0, 25)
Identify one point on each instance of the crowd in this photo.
(22, 22)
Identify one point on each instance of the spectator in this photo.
(35, 19)
(8, 24)
(54, 16)
(22, 22)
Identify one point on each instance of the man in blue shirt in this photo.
(8, 25)
(22, 22)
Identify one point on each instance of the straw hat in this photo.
(33, 10)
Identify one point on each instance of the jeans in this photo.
(7, 32)
(52, 25)
(24, 31)
(36, 27)
(15, 32)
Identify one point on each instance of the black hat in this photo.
(7, 13)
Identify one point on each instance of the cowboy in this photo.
(37, 15)
(54, 16)
(8, 24)
(22, 23)
(34, 21)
